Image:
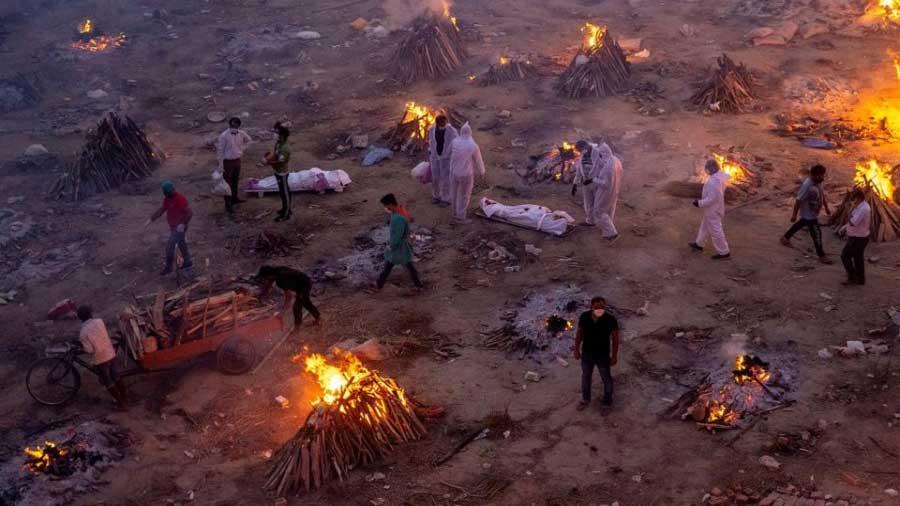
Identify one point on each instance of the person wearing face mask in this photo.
(178, 214)
(809, 203)
(597, 345)
(440, 137)
(229, 149)
(600, 174)
(712, 203)
(465, 161)
(279, 159)
(399, 250)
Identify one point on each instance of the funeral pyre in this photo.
(62, 464)
(886, 11)
(543, 322)
(115, 152)
(877, 181)
(729, 88)
(555, 165)
(515, 68)
(357, 420)
(743, 170)
(410, 134)
(599, 69)
(878, 108)
(433, 48)
(738, 172)
(743, 388)
(89, 40)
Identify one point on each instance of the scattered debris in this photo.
(282, 402)
(532, 376)
(769, 462)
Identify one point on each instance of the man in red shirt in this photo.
(178, 214)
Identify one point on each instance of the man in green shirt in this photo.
(399, 250)
(279, 159)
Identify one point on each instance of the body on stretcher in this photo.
(530, 216)
(311, 180)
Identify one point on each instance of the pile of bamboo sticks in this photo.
(406, 135)
(115, 152)
(885, 224)
(370, 415)
(516, 69)
(601, 71)
(190, 313)
(433, 49)
(729, 89)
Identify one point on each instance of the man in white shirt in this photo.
(230, 148)
(712, 203)
(101, 353)
(857, 229)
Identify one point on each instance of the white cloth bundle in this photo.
(422, 172)
(314, 179)
(530, 216)
(220, 187)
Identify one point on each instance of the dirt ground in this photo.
(200, 436)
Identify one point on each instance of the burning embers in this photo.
(557, 165)
(433, 49)
(750, 368)
(88, 41)
(738, 174)
(888, 11)
(507, 69)
(356, 420)
(56, 460)
(557, 324)
(598, 70)
(877, 181)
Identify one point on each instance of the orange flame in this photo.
(745, 372)
(735, 171)
(449, 16)
(593, 36)
(86, 26)
(720, 413)
(504, 60)
(422, 115)
(876, 176)
(101, 43)
(40, 458)
(887, 9)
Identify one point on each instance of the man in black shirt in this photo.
(290, 280)
(597, 329)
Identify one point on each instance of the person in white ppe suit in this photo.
(600, 174)
(440, 137)
(465, 161)
(712, 203)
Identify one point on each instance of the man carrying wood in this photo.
(95, 341)
(712, 203)
(600, 174)
(178, 214)
(810, 200)
(229, 149)
(857, 230)
(440, 137)
(597, 345)
(297, 287)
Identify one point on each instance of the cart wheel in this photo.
(52, 381)
(236, 356)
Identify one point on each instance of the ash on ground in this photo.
(91, 448)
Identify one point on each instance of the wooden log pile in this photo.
(370, 415)
(729, 89)
(115, 152)
(507, 69)
(885, 215)
(555, 165)
(600, 71)
(433, 49)
(837, 131)
(410, 134)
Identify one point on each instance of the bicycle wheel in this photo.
(52, 381)
(236, 356)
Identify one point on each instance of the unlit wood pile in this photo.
(407, 135)
(557, 165)
(185, 315)
(837, 131)
(885, 216)
(433, 49)
(115, 152)
(370, 415)
(729, 89)
(515, 69)
(599, 72)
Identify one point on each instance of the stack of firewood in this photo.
(433, 49)
(507, 69)
(190, 313)
(599, 71)
(408, 136)
(729, 89)
(370, 415)
(115, 152)
(885, 224)
(556, 165)
(837, 131)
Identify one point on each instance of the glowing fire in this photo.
(100, 43)
(593, 36)
(747, 367)
(449, 16)
(504, 60)
(85, 26)
(566, 146)
(897, 67)
(887, 9)
(718, 412)
(876, 176)
(333, 379)
(734, 170)
(422, 115)
(40, 458)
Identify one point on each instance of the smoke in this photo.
(734, 346)
(400, 13)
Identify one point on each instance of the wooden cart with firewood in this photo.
(192, 321)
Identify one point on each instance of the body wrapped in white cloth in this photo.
(530, 216)
(314, 180)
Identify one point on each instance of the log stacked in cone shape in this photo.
(877, 182)
(507, 69)
(598, 70)
(433, 49)
(729, 89)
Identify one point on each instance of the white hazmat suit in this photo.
(465, 160)
(712, 203)
(440, 163)
(601, 183)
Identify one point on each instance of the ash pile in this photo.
(542, 325)
(63, 464)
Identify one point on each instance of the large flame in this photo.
(593, 36)
(718, 412)
(449, 16)
(422, 115)
(86, 26)
(100, 43)
(735, 171)
(40, 458)
(745, 370)
(333, 379)
(887, 9)
(876, 176)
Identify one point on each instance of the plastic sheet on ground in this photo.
(314, 180)
(531, 216)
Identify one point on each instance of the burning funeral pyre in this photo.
(89, 40)
(508, 69)
(887, 11)
(742, 178)
(598, 70)
(433, 49)
(738, 173)
(115, 152)
(877, 180)
(543, 322)
(410, 135)
(356, 421)
(557, 165)
(729, 89)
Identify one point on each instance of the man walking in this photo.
(857, 230)
(597, 345)
(712, 203)
(279, 159)
(297, 289)
(810, 200)
(178, 215)
(95, 341)
(440, 137)
(229, 149)
(465, 161)
(600, 174)
(399, 250)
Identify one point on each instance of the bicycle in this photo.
(54, 380)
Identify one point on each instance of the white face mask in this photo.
(388, 211)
